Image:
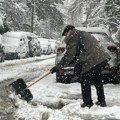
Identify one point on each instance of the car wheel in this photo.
(30, 53)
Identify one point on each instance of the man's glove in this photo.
(53, 70)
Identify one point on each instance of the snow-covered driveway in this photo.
(57, 101)
(27, 69)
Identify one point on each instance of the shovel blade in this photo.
(26, 95)
(20, 87)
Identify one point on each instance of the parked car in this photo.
(34, 45)
(45, 46)
(53, 45)
(17, 44)
(105, 40)
(2, 53)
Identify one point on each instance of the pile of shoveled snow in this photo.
(57, 101)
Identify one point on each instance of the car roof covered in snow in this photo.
(18, 34)
(43, 39)
(94, 30)
(53, 40)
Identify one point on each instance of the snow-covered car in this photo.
(34, 45)
(105, 40)
(53, 46)
(2, 53)
(16, 45)
(45, 46)
(57, 44)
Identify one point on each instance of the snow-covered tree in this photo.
(46, 10)
(1, 17)
(34, 15)
(97, 15)
(112, 12)
(80, 11)
(16, 13)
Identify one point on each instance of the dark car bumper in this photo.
(11, 56)
(66, 75)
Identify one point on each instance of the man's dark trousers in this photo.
(93, 76)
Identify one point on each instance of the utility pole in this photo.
(32, 16)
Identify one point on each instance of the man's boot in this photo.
(89, 105)
(101, 103)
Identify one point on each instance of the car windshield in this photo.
(11, 40)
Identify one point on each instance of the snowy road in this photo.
(57, 101)
(27, 69)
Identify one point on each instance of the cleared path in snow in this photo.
(27, 69)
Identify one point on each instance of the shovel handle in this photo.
(39, 78)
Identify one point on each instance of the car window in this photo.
(11, 40)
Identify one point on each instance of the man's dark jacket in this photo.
(91, 53)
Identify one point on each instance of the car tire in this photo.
(30, 53)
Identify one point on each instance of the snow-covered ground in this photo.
(57, 101)
(20, 68)
(10, 70)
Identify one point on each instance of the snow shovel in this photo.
(20, 87)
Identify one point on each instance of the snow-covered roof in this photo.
(94, 29)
